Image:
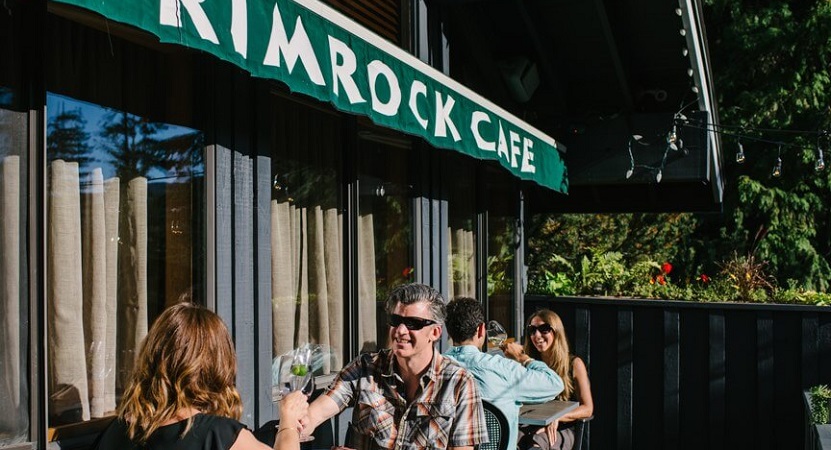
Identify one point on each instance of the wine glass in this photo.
(294, 373)
(496, 335)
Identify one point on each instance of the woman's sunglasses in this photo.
(543, 329)
(412, 323)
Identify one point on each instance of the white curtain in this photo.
(367, 288)
(307, 280)
(462, 262)
(9, 296)
(96, 282)
(100, 236)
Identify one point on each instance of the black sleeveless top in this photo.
(207, 433)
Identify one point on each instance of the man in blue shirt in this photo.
(506, 381)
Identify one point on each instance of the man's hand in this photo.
(514, 351)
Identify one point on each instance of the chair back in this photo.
(581, 434)
(497, 425)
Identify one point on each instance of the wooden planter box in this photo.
(817, 437)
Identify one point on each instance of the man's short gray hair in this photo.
(408, 294)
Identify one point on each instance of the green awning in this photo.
(319, 52)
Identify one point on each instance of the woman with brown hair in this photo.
(182, 392)
(546, 341)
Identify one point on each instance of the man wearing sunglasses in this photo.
(506, 381)
(407, 395)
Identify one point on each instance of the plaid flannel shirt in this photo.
(446, 413)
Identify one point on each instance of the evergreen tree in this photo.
(67, 138)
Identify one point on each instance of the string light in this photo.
(744, 134)
(777, 168)
(671, 141)
(740, 154)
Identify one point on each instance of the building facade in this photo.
(281, 162)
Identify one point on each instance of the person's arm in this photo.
(532, 381)
(584, 393)
(319, 411)
(337, 397)
(293, 407)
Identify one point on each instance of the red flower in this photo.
(407, 271)
(704, 278)
(661, 280)
(666, 268)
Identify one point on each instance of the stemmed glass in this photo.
(496, 335)
(294, 373)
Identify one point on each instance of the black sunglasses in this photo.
(412, 323)
(543, 329)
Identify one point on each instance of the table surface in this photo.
(544, 413)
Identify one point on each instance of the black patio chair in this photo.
(580, 433)
(497, 425)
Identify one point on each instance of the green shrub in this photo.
(820, 395)
(742, 279)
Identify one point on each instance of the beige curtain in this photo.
(367, 287)
(132, 276)
(68, 389)
(97, 281)
(462, 262)
(9, 293)
(307, 279)
(100, 236)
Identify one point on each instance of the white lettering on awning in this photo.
(169, 14)
(443, 120)
(342, 73)
(239, 26)
(299, 47)
(476, 118)
(416, 89)
(390, 108)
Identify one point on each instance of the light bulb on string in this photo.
(777, 168)
(740, 154)
(819, 164)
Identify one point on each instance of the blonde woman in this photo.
(546, 341)
(182, 393)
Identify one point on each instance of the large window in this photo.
(14, 127)
(307, 296)
(125, 210)
(385, 228)
(503, 241)
(459, 177)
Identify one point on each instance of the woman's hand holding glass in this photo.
(293, 407)
(295, 375)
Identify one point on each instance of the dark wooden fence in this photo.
(684, 375)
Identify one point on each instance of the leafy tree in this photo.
(770, 63)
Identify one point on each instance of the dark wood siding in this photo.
(684, 375)
(381, 16)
